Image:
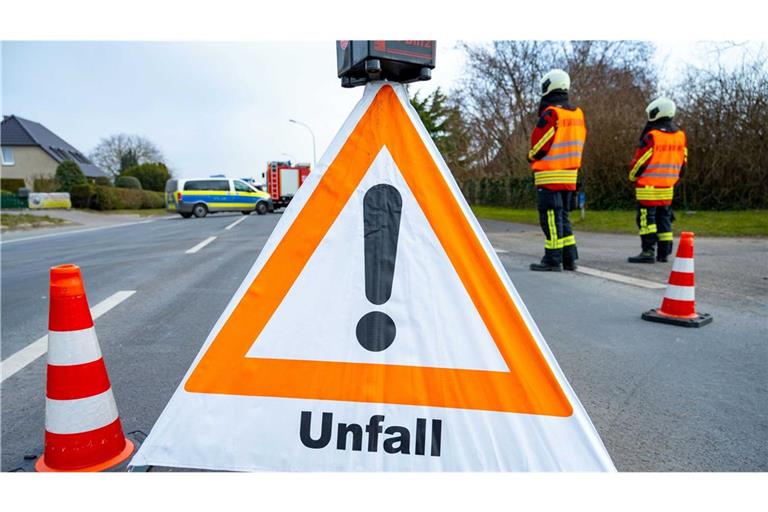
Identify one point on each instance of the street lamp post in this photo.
(314, 153)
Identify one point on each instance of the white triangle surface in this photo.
(437, 324)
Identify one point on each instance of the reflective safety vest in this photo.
(655, 184)
(558, 170)
(663, 169)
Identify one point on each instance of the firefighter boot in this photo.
(547, 265)
(643, 257)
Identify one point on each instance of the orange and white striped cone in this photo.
(679, 304)
(82, 428)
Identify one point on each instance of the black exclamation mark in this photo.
(382, 206)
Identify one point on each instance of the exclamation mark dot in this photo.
(382, 206)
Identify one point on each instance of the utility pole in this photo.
(314, 151)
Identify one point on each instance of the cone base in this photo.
(699, 320)
(42, 467)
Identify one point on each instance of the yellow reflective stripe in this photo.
(558, 176)
(651, 193)
(643, 222)
(639, 164)
(568, 240)
(552, 242)
(543, 140)
(665, 237)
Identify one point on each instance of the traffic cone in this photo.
(679, 304)
(82, 428)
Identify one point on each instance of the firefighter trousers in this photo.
(655, 224)
(559, 243)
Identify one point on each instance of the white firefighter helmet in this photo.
(660, 108)
(555, 79)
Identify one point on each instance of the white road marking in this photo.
(500, 251)
(238, 221)
(621, 278)
(201, 245)
(13, 364)
(75, 232)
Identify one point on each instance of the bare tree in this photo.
(115, 150)
(611, 81)
(724, 110)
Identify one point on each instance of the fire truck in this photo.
(283, 179)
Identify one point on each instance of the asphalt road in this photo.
(663, 398)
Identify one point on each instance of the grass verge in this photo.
(12, 221)
(703, 223)
(149, 212)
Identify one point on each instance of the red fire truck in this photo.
(283, 179)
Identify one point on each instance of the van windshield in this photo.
(241, 186)
(170, 185)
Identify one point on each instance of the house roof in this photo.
(17, 131)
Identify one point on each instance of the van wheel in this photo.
(186, 215)
(246, 212)
(261, 207)
(200, 210)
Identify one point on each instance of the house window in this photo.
(8, 156)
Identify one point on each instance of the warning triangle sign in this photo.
(377, 292)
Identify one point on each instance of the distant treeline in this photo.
(483, 127)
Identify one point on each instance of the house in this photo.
(30, 151)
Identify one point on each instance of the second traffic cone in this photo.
(679, 304)
(82, 428)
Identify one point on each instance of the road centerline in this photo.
(238, 221)
(202, 244)
(19, 360)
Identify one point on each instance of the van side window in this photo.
(242, 187)
(207, 185)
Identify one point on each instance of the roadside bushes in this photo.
(103, 181)
(80, 195)
(68, 174)
(150, 199)
(11, 184)
(518, 192)
(128, 182)
(152, 176)
(114, 198)
(45, 184)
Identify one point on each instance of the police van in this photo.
(201, 196)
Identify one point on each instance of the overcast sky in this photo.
(210, 107)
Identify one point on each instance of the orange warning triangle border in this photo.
(529, 387)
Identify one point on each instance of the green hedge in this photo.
(116, 198)
(128, 182)
(68, 174)
(81, 195)
(11, 184)
(152, 176)
(45, 184)
(506, 191)
(150, 199)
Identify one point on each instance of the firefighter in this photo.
(658, 164)
(557, 143)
